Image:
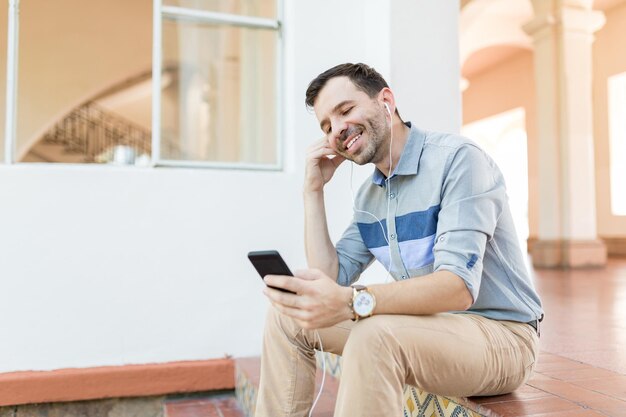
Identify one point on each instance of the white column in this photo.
(562, 32)
(424, 42)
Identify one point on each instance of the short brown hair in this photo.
(364, 77)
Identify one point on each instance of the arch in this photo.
(487, 57)
(490, 23)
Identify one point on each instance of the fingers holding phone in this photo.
(320, 302)
(270, 262)
(283, 283)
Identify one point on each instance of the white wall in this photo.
(107, 266)
(425, 62)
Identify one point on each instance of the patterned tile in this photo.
(418, 403)
(333, 363)
(245, 391)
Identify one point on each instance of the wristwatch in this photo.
(363, 302)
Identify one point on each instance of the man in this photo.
(460, 316)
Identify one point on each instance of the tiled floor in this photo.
(217, 406)
(586, 314)
(582, 368)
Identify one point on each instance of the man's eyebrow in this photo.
(334, 110)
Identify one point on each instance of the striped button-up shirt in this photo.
(444, 208)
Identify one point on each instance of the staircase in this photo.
(88, 134)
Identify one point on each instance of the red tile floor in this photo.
(215, 406)
(581, 370)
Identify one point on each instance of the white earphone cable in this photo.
(387, 180)
(389, 174)
(319, 394)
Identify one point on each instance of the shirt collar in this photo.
(409, 159)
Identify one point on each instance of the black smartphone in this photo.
(269, 262)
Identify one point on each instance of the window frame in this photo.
(10, 119)
(184, 14)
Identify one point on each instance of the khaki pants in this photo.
(447, 354)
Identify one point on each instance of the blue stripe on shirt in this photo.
(411, 226)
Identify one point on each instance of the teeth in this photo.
(352, 141)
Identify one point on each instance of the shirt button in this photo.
(392, 236)
(392, 195)
(403, 276)
(442, 238)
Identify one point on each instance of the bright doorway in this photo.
(503, 137)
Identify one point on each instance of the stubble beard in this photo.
(374, 151)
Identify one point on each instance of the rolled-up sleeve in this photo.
(472, 198)
(354, 257)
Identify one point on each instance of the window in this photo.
(617, 145)
(82, 89)
(163, 82)
(218, 100)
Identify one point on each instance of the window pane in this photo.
(617, 134)
(84, 83)
(256, 8)
(219, 93)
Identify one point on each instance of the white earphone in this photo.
(387, 107)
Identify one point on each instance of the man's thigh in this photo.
(451, 354)
(333, 339)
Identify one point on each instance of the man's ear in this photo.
(387, 98)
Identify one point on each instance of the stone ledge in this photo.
(115, 381)
(111, 407)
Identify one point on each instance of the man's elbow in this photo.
(458, 296)
(465, 298)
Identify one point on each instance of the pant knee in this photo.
(275, 321)
(370, 337)
(280, 325)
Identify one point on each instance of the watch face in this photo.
(363, 303)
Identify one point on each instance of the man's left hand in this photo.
(318, 301)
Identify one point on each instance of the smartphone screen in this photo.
(269, 262)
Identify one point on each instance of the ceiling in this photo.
(597, 4)
(491, 31)
(487, 57)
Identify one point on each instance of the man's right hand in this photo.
(319, 168)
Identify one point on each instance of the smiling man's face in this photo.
(354, 123)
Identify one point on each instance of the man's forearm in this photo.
(320, 251)
(434, 293)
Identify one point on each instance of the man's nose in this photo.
(338, 129)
